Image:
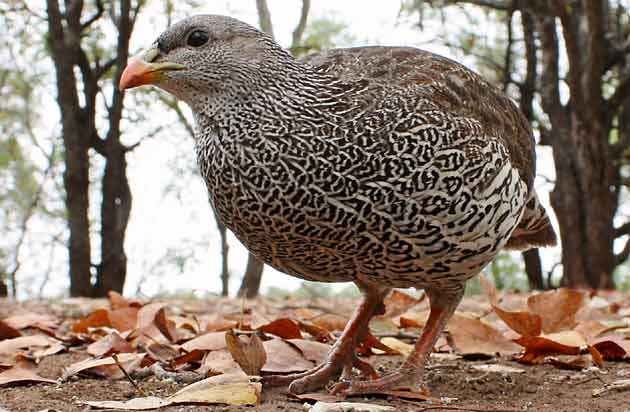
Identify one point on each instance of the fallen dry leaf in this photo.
(472, 336)
(612, 348)
(145, 322)
(31, 342)
(22, 372)
(557, 308)
(399, 302)
(109, 344)
(370, 342)
(123, 319)
(234, 389)
(106, 367)
(223, 389)
(164, 353)
(137, 404)
(314, 351)
(413, 319)
(523, 323)
(98, 318)
(247, 351)
(195, 355)
(34, 320)
(219, 362)
(165, 326)
(348, 406)
(7, 331)
(537, 348)
(118, 301)
(207, 341)
(330, 321)
(283, 357)
(489, 290)
(283, 328)
(397, 345)
(317, 332)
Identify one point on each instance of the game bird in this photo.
(389, 167)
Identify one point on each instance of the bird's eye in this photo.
(197, 38)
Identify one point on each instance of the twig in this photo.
(135, 385)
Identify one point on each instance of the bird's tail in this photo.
(534, 229)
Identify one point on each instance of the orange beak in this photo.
(142, 71)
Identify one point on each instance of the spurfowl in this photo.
(383, 166)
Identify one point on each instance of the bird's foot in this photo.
(319, 376)
(399, 380)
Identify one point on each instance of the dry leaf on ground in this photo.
(106, 367)
(247, 351)
(207, 341)
(314, 351)
(137, 404)
(537, 348)
(283, 328)
(522, 322)
(22, 372)
(557, 308)
(348, 406)
(234, 389)
(29, 343)
(283, 357)
(472, 336)
(8, 332)
(399, 302)
(217, 362)
(111, 343)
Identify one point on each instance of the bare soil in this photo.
(540, 388)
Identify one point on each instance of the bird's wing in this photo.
(449, 85)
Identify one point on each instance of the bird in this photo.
(390, 167)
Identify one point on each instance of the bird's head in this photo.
(203, 57)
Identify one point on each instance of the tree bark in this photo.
(76, 177)
(80, 133)
(115, 209)
(250, 286)
(225, 270)
(533, 268)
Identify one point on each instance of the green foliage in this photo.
(506, 272)
(323, 33)
(310, 290)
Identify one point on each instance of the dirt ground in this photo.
(540, 388)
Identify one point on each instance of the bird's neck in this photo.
(282, 98)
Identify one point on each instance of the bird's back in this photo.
(451, 86)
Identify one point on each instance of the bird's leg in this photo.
(341, 358)
(410, 373)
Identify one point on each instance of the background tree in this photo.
(583, 117)
(85, 103)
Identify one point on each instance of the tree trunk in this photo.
(76, 177)
(250, 286)
(533, 269)
(225, 270)
(76, 183)
(115, 209)
(585, 206)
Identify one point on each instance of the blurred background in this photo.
(99, 190)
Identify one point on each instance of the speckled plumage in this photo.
(387, 166)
